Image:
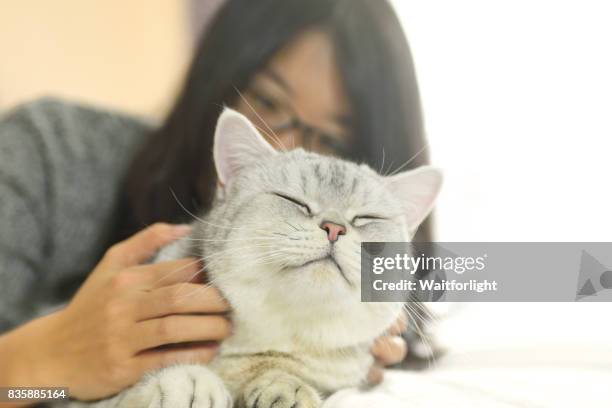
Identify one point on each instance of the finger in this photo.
(178, 329)
(375, 375)
(180, 298)
(156, 359)
(389, 349)
(400, 325)
(143, 245)
(201, 277)
(168, 272)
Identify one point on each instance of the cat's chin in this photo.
(324, 271)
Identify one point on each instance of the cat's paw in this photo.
(277, 389)
(183, 386)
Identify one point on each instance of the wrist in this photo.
(25, 352)
(16, 370)
(12, 373)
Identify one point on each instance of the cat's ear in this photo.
(237, 144)
(417, 191)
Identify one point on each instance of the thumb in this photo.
(144, 244)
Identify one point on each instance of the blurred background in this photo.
(517, 98)
(129, 55)
(516, 95)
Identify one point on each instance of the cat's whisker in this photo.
(287, 236)
(243, 228)
(270, 261)
(226, 251)
(251, 262)
(175, 271)
(400, 168)
(417, 311)
(199, 219)
(223, 253)
(199, 291)
(276, 138)
(383, 161)
(183, 207)
(291, 225)
(426, 311)
(212, 260)
(184, 285)
(388, 169)
(423, 337)
(274, 253)
(236, 239)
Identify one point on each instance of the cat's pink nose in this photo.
(333, 230)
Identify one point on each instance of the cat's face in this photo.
(294, 222)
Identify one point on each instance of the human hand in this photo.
(388, 349)
(104, 340)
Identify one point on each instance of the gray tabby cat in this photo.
(282, 243)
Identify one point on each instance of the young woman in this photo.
(333, 76)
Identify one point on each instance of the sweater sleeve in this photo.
(24, 193)
(61, 166)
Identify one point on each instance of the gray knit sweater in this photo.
(61, 168)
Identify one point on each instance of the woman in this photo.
(335, 77)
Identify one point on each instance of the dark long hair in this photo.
(372, 53)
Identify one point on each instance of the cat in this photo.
(282, 243)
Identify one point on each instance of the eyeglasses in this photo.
(271, 116)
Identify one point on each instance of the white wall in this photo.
(518, 104)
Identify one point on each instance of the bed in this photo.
(506, 355)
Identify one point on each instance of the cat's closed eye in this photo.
(362, 220)
(295, 201)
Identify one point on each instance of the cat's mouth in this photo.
(325, 258)
(329, 258)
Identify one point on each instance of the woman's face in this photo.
(298, 100)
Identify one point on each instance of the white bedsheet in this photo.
(507, 355)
